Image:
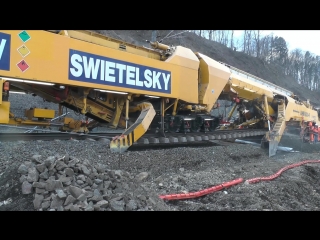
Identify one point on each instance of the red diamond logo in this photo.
(22, 65)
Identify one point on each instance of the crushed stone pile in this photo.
(67, 184)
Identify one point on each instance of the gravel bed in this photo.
(178, 170)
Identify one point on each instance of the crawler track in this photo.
(148, 141)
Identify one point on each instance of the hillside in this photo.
(219, 52)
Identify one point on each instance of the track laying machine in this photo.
(162, 89)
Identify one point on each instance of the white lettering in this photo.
(2, 45)
(102, 70)
(130, 75)
(156, 79)
(138, 82)
(147, 76)
(91, 68)
(121, 68)
(75, 59)
(166, 80)
(110, 70)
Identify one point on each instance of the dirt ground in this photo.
(183, 170)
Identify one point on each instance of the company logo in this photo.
(5, 41)
(92, 68)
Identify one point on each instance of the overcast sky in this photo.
(306, 40)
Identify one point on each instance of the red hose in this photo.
(202, 192)
(233, 182)
(258, 179)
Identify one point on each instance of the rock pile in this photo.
(68, 184)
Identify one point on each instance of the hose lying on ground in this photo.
(277, 174)
(233, 182)
(202, 192)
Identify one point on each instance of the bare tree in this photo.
(256, 37)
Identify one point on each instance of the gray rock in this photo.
(69, 200)
(142, 176)
(111, 174)
(36, 158)
(89, 181)
(75, 191)
(71, 163)
(116, 205)
(60, 165)
(85, 170)
(101, 168)
(37, 201)
(66, 158)
(79, 182)
(40, 190)
(67, 183)
(96, 208)
(102, 203)
(60, 209)
(96, 198)
(22, 178)
(97, 181)
(41, 167)
(64, 179)
(89, 208)
(45, 205)
(26, 187)
(51, 210)
(74, 208)
(44, 175)
(56, 202)
(51, 172)
(107, 184)
(81, 177)
(96, 192)
(94, 186)
(61, 194)
(53, 184)
(69, 172)
(47, 198)
(33, 175)
(141, 197)
(159, 179)
(102, 176)
(29, 164)
(88, 194)
(23, 169)
(83, 204)
(118, 173)
(49, 161)
(39, 185)
(131, 205)
(82, 197)
(68, 206)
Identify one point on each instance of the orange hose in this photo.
(202, 192)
